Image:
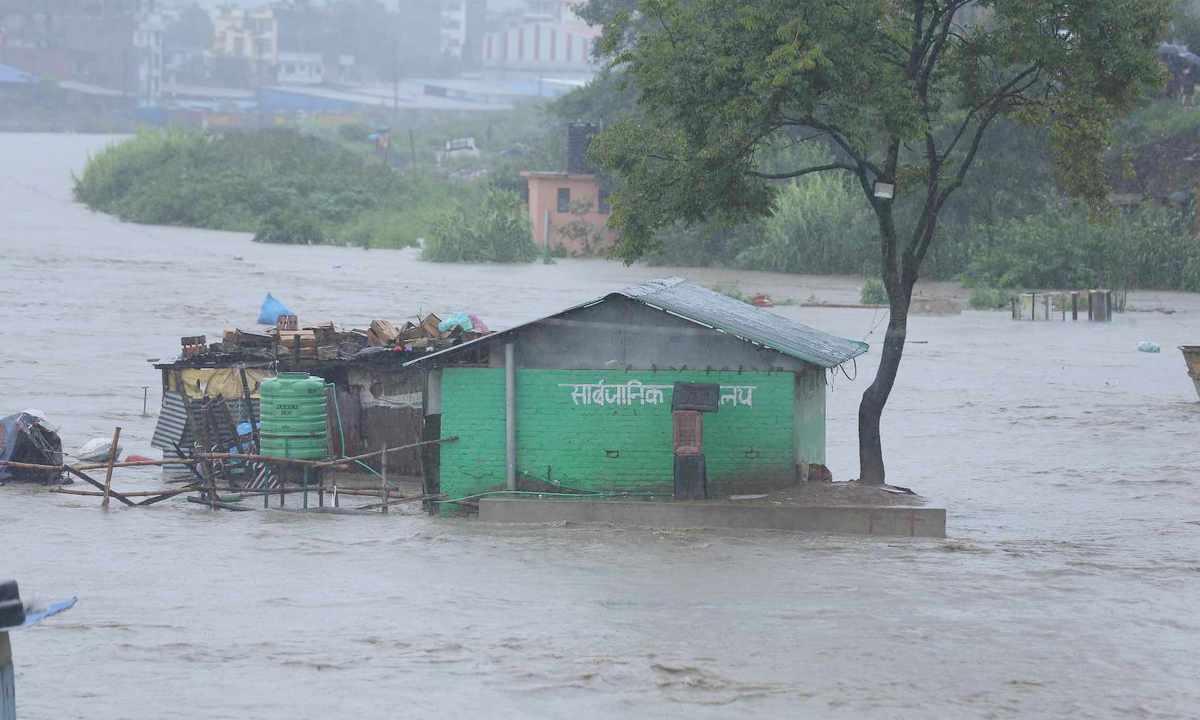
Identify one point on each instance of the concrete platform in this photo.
(841, 519)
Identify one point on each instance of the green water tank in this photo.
(293, 417)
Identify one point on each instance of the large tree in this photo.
(902, 93)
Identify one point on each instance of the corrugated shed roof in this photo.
(721, 313)
(752, 324)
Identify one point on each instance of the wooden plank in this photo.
(134, 493)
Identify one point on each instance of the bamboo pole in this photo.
(364, 456)
(398, 501)
(112, 458)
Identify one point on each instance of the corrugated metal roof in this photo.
(752, 324)
(721, 313)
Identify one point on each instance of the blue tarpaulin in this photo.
(271, 310)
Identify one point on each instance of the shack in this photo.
(581, 401)
(211, 393)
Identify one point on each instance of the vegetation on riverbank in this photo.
(291, 187)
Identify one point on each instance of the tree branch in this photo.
(805, 171)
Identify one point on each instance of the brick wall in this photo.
(566, 438)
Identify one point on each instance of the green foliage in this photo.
(233, 181)
(389, 227)
(984, 297)
(1064, 247)
(724, 88)
(284, 186)
(817, 224)
(491, 226)
(287, 227)
(873, 293)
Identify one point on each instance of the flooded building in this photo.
(568, 209)
(581, 401)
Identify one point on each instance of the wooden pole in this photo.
(383, 489)
(112, 458)
(97, 484)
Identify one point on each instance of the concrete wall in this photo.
(810, 419)
(888, 521)
(611, 430)
(543, 198)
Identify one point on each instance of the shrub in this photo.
(494, 229)
(984, 297)
(388, 228)
(873, 292)
(290, 228)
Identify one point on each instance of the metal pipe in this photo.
(510, 417)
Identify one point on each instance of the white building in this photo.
(252, 34)
(453, 27)
(148, 46)
(547, 37)
(300, 69)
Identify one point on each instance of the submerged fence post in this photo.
(8, 693)
(383, 490)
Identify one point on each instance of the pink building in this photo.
(569, 211)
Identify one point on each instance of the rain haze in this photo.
(614, 358)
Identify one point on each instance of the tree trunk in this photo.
(899, 278)
(870, 410)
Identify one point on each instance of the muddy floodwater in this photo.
(1069, 463)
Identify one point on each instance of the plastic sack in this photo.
(1147, 346)
(271, 310)
(457, 319)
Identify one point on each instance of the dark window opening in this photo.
(605, 207)
(564, 200)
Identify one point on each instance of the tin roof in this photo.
(719, 312)
(747, 322)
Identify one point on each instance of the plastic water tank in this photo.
(293, 417)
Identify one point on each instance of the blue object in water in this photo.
(34, 615)
(271, 310)
(1147, 346)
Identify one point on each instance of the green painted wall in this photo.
(566, 438)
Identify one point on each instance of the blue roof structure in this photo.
(721, 313)
(10, 75)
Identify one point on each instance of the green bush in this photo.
(495, 228)
(288, 227)
(873, 292)
(389, 228)
(984, 297)
(818, 224)
(1147, 247)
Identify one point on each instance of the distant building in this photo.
(547, 37)
(300, 69)
(249, 37)
(115, 45)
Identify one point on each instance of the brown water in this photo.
(1068, 461)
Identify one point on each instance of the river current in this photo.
(1069, 464)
